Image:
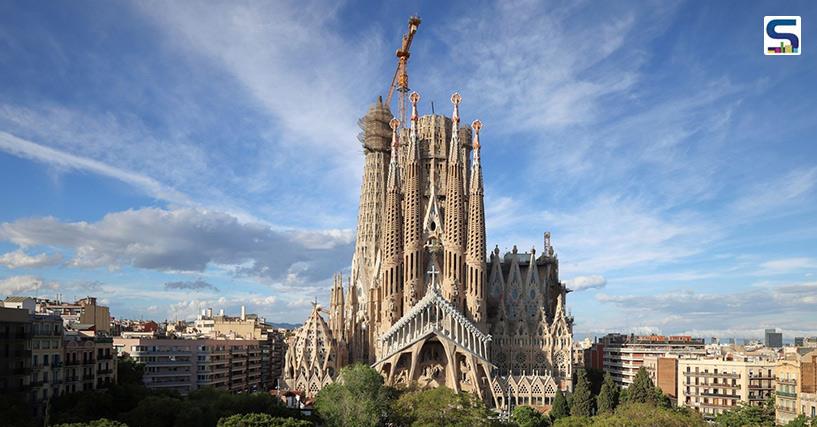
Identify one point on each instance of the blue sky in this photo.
(172, 156)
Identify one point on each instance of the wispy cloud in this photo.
(20, 259)
(33, 151)
(26, 286)
(193, 285)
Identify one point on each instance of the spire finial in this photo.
(394, 123)
(414, 98)
(456, 99)
(477, 125)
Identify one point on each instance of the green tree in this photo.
(661, 399)
(525, 416)
(358, 398)
(800, 421)
(128, 371)
(14, 411)
(607, 400)
(102, 422)
(596, 378)
(574, 422)
(582, 403)
(649, 415)
(642, 388)
(440, 406)
(748, 415)
(261, 420)
(560, 407)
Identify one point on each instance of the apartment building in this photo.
(15, 352)
(82, 312)
(623, 355)
(47, 357)
(277, 348)
(663, 371)
(787, 388)
(796, 385)
(715, 385)
(185, 365)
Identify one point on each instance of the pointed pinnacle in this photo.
(477, 125)
(414, 98)
(456, 99)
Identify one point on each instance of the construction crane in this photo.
(400, 79)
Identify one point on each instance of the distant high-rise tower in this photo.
(772, 338)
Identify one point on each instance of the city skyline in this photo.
(169, 159)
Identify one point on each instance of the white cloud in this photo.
(610, 233)
(790, 306)
(778, 194)
(25, 286)
(19, 259)
(581, 283)
(190, 239)
(294, 62)
(30, 150)
(786, 265)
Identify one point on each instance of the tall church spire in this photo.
(454, 215)
(336, 309)
(475, 256)
(392, 242)
(413, 230)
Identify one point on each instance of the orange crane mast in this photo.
(400, 79)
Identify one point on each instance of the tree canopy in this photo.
(441, 406)
(358, 398)
(748, 415)
(102, 422)
(607, 400)
(642, 389)
(525, 416)
(261, 420)
(560, 407)
(637, 415)
(583, 403)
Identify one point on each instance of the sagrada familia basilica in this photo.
(426, 303)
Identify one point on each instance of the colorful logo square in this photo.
(781, 35)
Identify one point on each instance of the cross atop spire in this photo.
(477, 125)
(433, 273)
(415, 98)
(456, 99)
(395, 143)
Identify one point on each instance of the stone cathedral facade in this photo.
(426, 303)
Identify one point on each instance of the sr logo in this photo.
(781, 35)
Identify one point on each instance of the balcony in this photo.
(786, 394)
(104, 371)
(721, 395)
(712, 375)
(784, 409)
(87, 377)
(786, 381)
